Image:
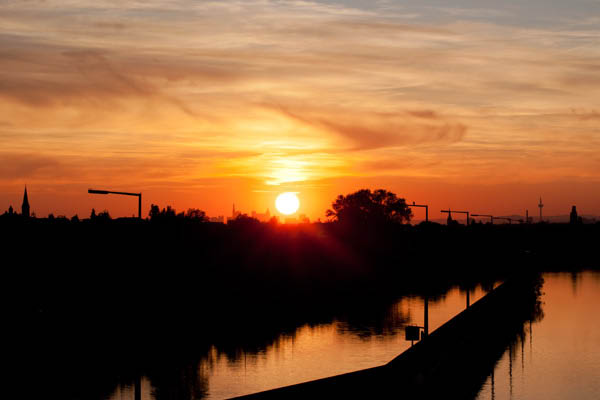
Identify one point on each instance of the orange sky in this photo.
(202, 104)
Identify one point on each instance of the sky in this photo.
(479, 105)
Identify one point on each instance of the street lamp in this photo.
(422, 205)
(139, 196)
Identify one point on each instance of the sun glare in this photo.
(287, 203)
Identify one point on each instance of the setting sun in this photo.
(287, 203)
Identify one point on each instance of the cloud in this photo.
(386, 165)
(111, 25)
(426, 114)
(78, 78)
(585, 115)
(25, 165)
(369, 130)
(239, 88)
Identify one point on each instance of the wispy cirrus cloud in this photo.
(369, 129)
(283, 91)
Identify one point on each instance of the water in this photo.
(311, 352)
(558, 357)
(326, 350)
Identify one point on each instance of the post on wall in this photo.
(426, 316)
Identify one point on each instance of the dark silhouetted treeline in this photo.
(99, 292)
(169, 262)
(161, 268)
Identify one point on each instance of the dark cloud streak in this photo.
(373, 130)
(25, 165)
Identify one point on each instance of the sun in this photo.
(287, 203)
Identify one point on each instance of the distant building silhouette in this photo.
(541, 205)
(301, 219)
(573, 217)
(25, 207)
(219, 219)
(262, 217)
(234, 214)
(10, 210)
(449, 221)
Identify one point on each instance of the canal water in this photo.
(556, 357)
(311, 352)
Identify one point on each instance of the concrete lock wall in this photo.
(452, 362)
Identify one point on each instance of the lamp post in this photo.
(422, 205)
(413, 332)
(426, 316)
(139, 196)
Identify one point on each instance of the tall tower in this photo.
(541, 205)
(573, 218)
(25, 206)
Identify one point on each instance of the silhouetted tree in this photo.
(244, 221)
(366, 207)
(169, 213)
(154, 211)
(196, 214)
(103, 216)
(93, 214)
(75, 218)
(10, 213)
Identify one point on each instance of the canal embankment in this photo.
(453, 361)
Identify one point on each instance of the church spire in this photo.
(25, 206)
(449, 221)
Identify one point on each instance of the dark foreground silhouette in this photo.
(84, 300)
(452, 362)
